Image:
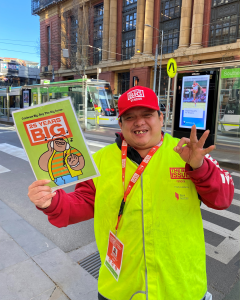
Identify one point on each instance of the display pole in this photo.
(166, 113)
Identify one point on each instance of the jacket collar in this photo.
(131, 152)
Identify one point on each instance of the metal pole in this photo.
(218, 106)
(155, 69)
(39, 95)
(8, 106)
(174, 101)
(160, 70)
(85, 98)
(166, 114)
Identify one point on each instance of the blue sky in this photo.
(20, 30)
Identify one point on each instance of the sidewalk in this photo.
(34, 268)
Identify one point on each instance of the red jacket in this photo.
(213, 184)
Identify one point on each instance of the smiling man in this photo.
(146, 206)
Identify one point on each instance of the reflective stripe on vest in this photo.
(174, 238)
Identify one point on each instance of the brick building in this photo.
(112, 35)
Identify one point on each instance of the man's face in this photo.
(141, 127)
(59, 145)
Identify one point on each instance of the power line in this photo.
(17, 44)
(20, 51)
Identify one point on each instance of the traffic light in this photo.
(135, 80)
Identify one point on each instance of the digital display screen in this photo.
(194, 101)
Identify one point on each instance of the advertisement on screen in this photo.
(194, 101)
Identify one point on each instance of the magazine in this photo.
(54, 143)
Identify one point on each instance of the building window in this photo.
(225, 24)
(170, 40)
(98, 33)
(73, 35)
(129, 2)
(48, 45)
(98, 10)
(123, 82)
(170, 24)
(128, 48)
(129, 22)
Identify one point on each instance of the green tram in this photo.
(90, 97)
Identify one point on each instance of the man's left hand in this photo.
(193, 152)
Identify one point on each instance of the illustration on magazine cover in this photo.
(61, 152)
(62, 162)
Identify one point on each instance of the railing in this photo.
(38, 5)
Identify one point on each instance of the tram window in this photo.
(232, 109)
(90, 102)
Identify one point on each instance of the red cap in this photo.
(137, 96)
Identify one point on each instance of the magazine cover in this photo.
(54, 143)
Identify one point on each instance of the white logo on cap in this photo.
(135, 95)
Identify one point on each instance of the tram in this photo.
(96, 94)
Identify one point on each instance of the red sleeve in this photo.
(74, 207)
(214, 185)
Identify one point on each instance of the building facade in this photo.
(112, 36)
(17, 72)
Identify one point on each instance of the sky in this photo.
(20, 30)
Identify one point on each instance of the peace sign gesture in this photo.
(193, 152)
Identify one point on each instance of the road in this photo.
(221, 228)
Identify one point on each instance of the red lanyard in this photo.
(136, 175)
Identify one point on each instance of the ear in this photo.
(161, 118)
(51, 145)
(119, 123)
(67, 146)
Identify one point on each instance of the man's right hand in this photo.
(40, 194)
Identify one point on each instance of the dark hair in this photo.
(158, 111)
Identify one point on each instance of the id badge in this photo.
(114, 256)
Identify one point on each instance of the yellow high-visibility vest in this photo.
(161, 228)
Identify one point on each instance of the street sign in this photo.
(171, 67)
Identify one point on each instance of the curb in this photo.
(6, 123)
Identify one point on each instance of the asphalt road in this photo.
(222, 229)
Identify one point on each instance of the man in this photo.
(195, 91)
(157, 219)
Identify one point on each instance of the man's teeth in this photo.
(140, 131)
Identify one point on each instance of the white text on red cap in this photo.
(135, 95)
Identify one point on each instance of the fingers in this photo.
(203, 138)
(39, 183)
(182, 142)
(209, 149)
(193, 134)
(40, 194)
